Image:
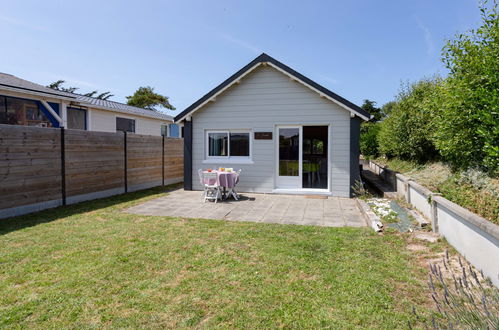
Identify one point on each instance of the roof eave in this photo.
(101, 107)
(18, 89)
(264, 58)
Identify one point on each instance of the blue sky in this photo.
(358, 49)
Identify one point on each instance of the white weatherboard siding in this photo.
(105, 121)
(266, 98)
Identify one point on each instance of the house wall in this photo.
(105, 121)
(266, 98)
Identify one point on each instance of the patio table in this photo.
(224, 179)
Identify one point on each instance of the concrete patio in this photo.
(284, 209)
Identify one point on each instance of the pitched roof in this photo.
(122, 107)
(11, 81)
(264, 58)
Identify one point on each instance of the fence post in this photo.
(407, 190)
(434, 212)
(163, 162)
(126, 160)
(63, 167)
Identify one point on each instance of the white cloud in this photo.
(18, 22)
(241, 43)
(430, 47)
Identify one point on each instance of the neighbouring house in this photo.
(26, 103)
(287, 133)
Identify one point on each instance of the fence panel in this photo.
(94, 164)
(30, 166)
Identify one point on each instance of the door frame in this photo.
(300, 189)
(300, 156)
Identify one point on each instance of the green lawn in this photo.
(91, 265)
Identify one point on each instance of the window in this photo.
(164, 130)
(228, 144)
(125, 124)
(174, 130)
(217, 144)
(77, 118)
(239, 144)
(17, 111)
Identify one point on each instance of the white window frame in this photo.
(126, 117)
(167, 130)
(228, 159)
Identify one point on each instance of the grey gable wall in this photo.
(266, 98)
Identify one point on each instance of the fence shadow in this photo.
(29, 220)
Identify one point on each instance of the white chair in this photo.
(211, 191)
(232, 191)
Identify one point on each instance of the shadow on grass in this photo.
(23, 221)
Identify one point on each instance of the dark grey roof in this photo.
(264, 58)
(9, 80)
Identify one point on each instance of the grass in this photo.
(92, 265)
(455, 186)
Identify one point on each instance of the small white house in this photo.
(23, 102)
(287, 133)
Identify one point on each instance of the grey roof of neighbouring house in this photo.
(11, 81)
(121, 107)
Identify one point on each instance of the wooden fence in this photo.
(48, 167)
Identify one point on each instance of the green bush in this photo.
(369, 139)
(408, 130)
(467, 124)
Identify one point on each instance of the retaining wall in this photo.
(476, 238)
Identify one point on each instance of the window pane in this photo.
(77, 118)
(125, 125)
(217, 144)
(289, 143)
(3, 111)
(25, 112)
(239, 144)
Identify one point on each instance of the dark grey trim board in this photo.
(354, 151)
(264, 58)
(188, 155)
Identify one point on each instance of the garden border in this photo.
(476, 238)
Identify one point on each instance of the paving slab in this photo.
(268, 208)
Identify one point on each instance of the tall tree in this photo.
(58, 85)
(370, 106)
(145, 97)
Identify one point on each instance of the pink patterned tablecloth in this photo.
(224, 179)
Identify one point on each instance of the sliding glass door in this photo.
(302, 157)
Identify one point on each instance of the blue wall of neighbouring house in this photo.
(174, 130)
(54, 106)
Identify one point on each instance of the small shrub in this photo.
(463, 297)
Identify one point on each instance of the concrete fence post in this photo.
(407, 185)
(434, 212)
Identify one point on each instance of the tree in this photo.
(467, 132)
(369, 130)
(145, 97)
(407, 133)
(58, 85)
(370, 106)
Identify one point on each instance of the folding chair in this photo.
(211, 191)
